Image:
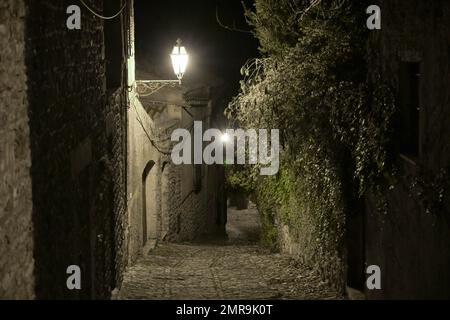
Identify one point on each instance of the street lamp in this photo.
(180, 59)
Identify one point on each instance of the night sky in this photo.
(216, 54)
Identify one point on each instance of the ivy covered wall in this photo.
(348, 195)
(310, 84)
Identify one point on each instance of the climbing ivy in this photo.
(337, 126)
(302, 86)
(240, 179)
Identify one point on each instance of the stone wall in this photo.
(198, 205)
(193, 215)
(16, 230)
(163, 201)
(78, 153)
(116, 133)
(410, 244)
(144, 162)
(292, 228)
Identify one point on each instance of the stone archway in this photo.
(149, 203)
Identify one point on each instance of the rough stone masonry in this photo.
(62, 152)
(16, 237)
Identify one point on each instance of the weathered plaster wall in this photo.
(142, 154)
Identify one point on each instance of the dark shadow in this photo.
(76, 193)
(145, 175)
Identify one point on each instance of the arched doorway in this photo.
(149, 203)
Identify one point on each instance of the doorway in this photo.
(149, 203)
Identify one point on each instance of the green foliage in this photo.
(240, 179)
(337, 126)
(276, 23)
(302, 85)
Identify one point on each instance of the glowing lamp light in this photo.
(225, 138)
(180, 60)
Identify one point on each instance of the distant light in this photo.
(225, 138)
(180, 60)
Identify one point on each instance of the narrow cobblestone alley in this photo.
(237, 268)
(134, 133)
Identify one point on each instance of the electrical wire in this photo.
(103, 17)
(153, 142)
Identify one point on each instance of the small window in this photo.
(409, 102)
(113, 45)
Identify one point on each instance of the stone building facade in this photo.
(168, 202)
(85, 167)
(16, 227)
(64, 108)
(411, 242)
(78, 127)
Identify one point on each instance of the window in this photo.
(409, 102)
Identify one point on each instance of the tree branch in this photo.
(233, 28)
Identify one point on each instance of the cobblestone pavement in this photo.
(233, 269)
